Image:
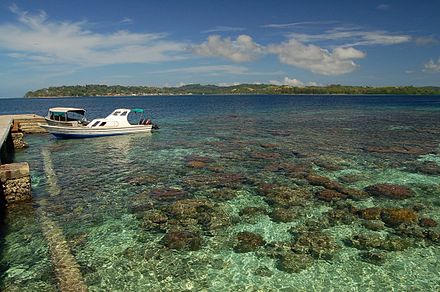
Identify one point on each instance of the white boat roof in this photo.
(66, 109)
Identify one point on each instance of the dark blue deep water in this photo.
(233, 193)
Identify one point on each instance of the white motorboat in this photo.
(66, 116)
(114, 124)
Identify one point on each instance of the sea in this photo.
(232, 193)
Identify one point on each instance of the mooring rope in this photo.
(67, 270)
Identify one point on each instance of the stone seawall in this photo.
(15, 182)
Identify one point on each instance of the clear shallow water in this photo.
(215, 156)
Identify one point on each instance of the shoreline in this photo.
(229, 94)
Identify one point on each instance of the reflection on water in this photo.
(295, 198)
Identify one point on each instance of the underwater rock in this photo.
(223, 194)
(411, 231)
(397, 216)
(143, 180)
(283, 215)
(427, 167)
(330, 195)
(217, 220)
(281, 133)
(297, 170)
(354, 194)
(327, 165)
(189, 208)
(263, 271)
(419, 207)
(167, 194)
(269, 145)
(294, 263)
(397, 150)
(252, 211)
(231, 180)
(199, 158)
(277, 248)
(182, 240)
(154, 220)
(389, 191)
(427, 222)
(191, 212)
(374, 257)
(374, 225)
(318, 180)
(433, 236)
(265, 155)
(285, 197)
(350, 178)
(215, 168)
(316, 244)
(141, 203)
(313, 225)
(329, 184)
(370, 213)
(196, 164)
(340, 216)
(375, 241)
(366, 241)
(248, 241)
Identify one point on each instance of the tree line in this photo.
(119, 90)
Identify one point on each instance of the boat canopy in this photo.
(61, 111)
(137, 110)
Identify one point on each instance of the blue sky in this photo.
(169, 43)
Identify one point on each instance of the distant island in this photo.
(118, 90)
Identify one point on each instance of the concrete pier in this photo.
(6, 144)
(15, 182)
(12, 129)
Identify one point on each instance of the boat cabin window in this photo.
(116, 113)
(103, 124)
(124, 113)
(95, 123)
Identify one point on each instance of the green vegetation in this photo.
(118, 90)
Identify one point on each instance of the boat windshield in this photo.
(76, 115)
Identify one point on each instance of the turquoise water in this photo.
(117, 202)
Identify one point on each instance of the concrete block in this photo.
(13, 171)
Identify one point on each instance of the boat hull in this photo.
(85, 132)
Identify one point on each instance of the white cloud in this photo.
(316, 59)
(226, 84)
(37, 39)
(127, 20)
(287, 81)
(383, 7)
(243, 49)
(293, 82)
(296, 24)
(222, 28)
(432, 66)
(353, 37)
(212, 69)
(425, 40)
(343, 53)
